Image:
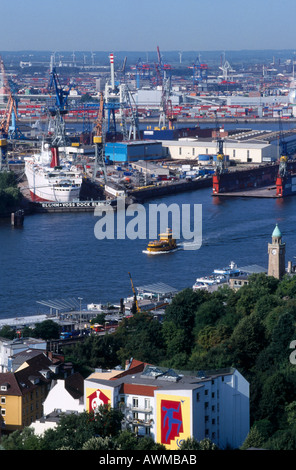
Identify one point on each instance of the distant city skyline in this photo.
(132, 25)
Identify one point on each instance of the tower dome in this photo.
(276, 233)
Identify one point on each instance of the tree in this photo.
(100, 443)
(247, 340)
(140, 336)
(46, 329)
(253, 439)
(193, 444)
(21, 440)
(7, 332)
(74, 430)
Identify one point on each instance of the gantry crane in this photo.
(99, 142)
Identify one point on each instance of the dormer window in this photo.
(4, 387)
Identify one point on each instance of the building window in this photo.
(206, 392)
(3, 400)
(180, 150)
(147, 404)
(197, 397)
(2, 411)
(135, 402)
(233, 153)
(193, 151)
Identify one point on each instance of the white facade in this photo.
(171, 407)
(244, 152)
(8, 348)
(60, 399)
(152, 98)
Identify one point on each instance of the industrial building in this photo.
(239, 151)
(132, 151)
(171, 406)
(150, 169)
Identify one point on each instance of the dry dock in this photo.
(265, 192)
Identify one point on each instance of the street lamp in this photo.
(80, 299)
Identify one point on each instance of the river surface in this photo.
(57, 256)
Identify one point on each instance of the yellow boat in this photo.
(165, 243)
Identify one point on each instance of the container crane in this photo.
(135, 304)
(200, 71)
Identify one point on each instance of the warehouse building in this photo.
(244, 152)
(171, 406)
(132, 151)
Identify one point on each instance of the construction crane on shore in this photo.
(59, 108)
(283, 158)
(99, 142)
(57, 111)
(135, 307)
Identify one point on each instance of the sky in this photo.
(142, 25)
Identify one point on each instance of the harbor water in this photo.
(57, 256)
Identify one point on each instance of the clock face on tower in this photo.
(273, 251)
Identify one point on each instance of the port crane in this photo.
(200, 71)
(57, 110)
(99, 142)
(118, 98)
(283, 161)
(135, 307)
(166, 109)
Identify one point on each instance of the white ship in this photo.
(218, 277)
(51, 181)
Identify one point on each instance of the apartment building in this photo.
(23, 392)
(171, 406)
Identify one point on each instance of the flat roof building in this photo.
(171, 406)
(244, 152)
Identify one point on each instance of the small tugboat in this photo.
(165, 244)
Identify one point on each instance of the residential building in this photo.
(9, 348)
(171, 406)
(64, 396)
(23, 392)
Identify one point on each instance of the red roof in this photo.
(134, 389)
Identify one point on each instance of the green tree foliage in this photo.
(46, 329)
(253, 439)
(140, 336)
(7, 332)
(10, 195)
(193, 444)
(250, 329)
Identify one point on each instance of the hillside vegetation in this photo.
(251, 329)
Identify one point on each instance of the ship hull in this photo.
(41, 190)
